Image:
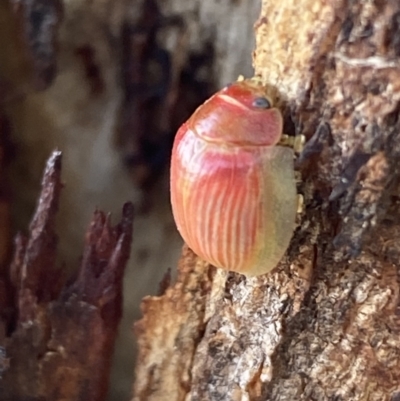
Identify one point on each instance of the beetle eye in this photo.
(262, 103)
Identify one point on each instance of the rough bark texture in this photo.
(324, 325)
(59, 337)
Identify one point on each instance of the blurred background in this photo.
(108, 82)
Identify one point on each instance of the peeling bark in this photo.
(60, 337)
(324, 325)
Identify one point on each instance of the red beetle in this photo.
(233, 189)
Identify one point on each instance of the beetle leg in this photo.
(296, 142)
(300, 203)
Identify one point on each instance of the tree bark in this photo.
(57, 336)
(324, 324)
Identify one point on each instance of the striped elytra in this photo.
(233, 190)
